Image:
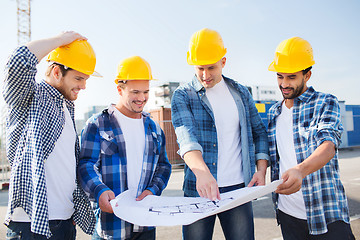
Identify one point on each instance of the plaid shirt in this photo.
(35, 121)
(103, 166)
(316, 118)
(195, 129)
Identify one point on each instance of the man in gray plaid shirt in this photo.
(45, 199)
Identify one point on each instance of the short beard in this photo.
(296, 92)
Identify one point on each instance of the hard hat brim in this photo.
(96, 74)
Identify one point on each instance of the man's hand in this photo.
(43, 47)
(104, 201)
(292, 180)
(258, 178)
(68, 37)
(143, 195)
(206, 186)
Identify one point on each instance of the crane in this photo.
(23, 21)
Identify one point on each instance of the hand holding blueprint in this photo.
(171, 211)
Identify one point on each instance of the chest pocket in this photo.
(308, 129)
(108, 143)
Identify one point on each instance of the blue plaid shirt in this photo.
(103, 166)
(195, 129)
(316, 118)
(35, 121)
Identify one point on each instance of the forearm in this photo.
(90, 180)
(195, 162)
(261, 166)
(40, 48)
(319, 158)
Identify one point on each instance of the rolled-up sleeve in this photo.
(329, 127)
(184, 123)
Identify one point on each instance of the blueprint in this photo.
(171, 211)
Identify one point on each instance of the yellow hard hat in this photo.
(292, 55)
(206, 47)
(78, 55)
(133, 68)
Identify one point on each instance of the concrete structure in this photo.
(160, 95)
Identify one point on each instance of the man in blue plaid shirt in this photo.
(304, 135)
(45, 199)
(221, 138)
(122, 148)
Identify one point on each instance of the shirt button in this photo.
(214, 164)
(214, 145)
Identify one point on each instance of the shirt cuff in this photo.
(263, 156)
(189, 147)
(323, 136)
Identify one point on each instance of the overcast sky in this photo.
(160, 31)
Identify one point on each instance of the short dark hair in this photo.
(305, 71)
(63, 69)
(122, 83)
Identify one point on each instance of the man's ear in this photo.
(119, 90)
(307, 76)
(56, 73)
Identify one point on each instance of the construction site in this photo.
(159, 106)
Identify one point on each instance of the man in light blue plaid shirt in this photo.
(45, 199)
(221, 138)
(304, 134)
(122, 148)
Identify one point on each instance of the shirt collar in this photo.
(198, 86)
(112, 108)
(55, 93)
(52, 90)
(306, 96)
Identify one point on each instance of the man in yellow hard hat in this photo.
(122, 148)
(45, 199)
(221, 138)
(304, 136)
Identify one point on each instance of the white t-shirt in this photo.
(292, 204)
(60, 173)
(229, 170)
(134, 135)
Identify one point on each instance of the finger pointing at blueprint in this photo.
(171, 211)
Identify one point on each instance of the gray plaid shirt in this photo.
(35, 121)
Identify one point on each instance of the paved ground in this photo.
(265, 224)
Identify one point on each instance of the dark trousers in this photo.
(60, 229)
(297, 229)
(147, 235)
(236, 223)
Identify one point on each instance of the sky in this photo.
(160, 30)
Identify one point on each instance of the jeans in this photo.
(293, 228)
(147, 235)
(60, 229)
(236, 223)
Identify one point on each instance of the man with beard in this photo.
(304, 135)
(122, 148)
